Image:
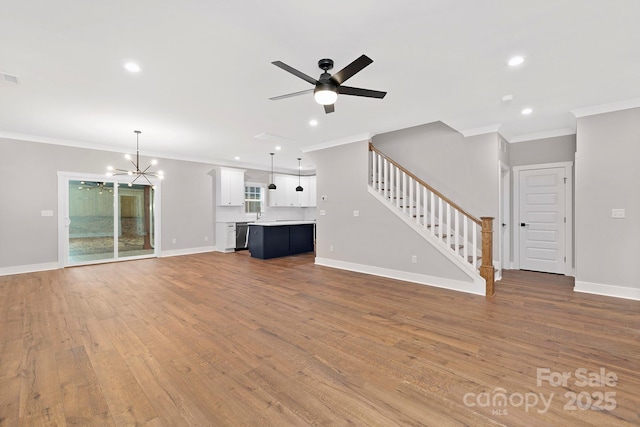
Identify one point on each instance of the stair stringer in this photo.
(477, 282)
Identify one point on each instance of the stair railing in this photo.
(435, 213)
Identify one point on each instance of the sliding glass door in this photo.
(106, 221)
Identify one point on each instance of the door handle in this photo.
(522, 224)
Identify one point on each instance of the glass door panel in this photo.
(135, 220)
(91, 225)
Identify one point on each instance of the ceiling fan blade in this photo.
(348, 71)
(291, 95)
(347, 90)
(329, 108)
(295, 72)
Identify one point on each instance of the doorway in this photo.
(543, 218)
(105, 221)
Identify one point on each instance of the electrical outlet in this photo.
(356, 213)
(206, 238)
(323, 212)
(414, 259)
(46, 213)
(618, 213)
(173, 240)
(331, 248)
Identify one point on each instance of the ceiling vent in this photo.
(9, 78)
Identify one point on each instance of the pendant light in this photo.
(299, 187)
(272, 186)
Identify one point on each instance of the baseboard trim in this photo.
(30, 268)
(187, 251)
(607, 290)
(423, 279)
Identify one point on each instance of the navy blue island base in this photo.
(277, 239)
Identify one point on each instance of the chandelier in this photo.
(137, 172)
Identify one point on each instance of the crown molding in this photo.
(606, 108)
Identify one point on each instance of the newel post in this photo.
(486, 269)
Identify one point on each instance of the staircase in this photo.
(446, 225)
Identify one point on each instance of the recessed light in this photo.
(132, 67)
(278, 147)
(237, 157)
(515, 61)
(313, 122)
(526, 111)
(507, 98)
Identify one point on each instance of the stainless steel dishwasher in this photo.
(241, 235)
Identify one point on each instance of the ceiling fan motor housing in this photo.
(325, 64)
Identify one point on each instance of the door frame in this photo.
(63, 214)
(568, 202)
(504, 217)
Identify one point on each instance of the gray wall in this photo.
(376, 237)
(463, 169)
(608, 177)
(28, 172)
(541, 151)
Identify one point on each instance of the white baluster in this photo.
(474, 245)
(425, 208)
(465, 238)
(418, 207)
(410, 207)
(374, 171)
(456, 239)
(448, 224)
(433, 214)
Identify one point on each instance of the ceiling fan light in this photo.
(325, 94)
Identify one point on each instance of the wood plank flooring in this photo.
(226, 340)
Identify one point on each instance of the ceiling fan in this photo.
(328, 86)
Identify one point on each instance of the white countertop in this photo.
(276, 223)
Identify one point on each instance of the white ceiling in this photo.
(207, 75)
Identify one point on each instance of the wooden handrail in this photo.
(486, 223)
(433, 190)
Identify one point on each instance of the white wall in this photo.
(608, 177)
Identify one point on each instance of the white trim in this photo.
(568, 243)
(423, 279)
(63, 214)
(504, 202)
(482, 130)
(187, 251)
(607, 290)
(606, 108)
(29, 268)
(336, 142)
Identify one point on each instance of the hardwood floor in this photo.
(224, 339)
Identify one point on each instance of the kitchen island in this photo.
(272, 239)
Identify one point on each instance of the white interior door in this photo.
(542, 214)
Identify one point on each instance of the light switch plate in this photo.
(356, 213)
(618, 213)
(323, 212)
(46, 213)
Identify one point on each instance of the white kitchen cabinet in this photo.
(312, 191)
(225, 236)
(229, 187)
(285, 194)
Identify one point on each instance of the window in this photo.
(252, 199)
